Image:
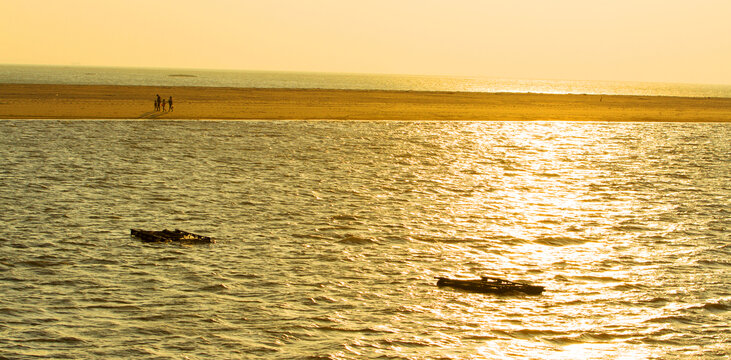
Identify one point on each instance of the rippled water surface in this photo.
(329, 236)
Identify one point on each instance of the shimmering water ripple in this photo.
(330, 235)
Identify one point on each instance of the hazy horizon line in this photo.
(494, 77)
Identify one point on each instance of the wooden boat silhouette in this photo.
(171, 236)
(490, 285)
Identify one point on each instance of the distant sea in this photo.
(25, 74)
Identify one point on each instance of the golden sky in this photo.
(642, 40)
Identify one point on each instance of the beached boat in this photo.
(490, 285)
(171, 236)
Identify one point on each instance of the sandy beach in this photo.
(22, 101)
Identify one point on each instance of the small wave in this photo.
(554, 221)
(161, 198)
(51, 339)
(10, 311)
(246, 276)
(215, 288)
(508, 240)
(437, 239)
(16, 245)
(320, 299)
(101, 261)
(168, 258)
(70, 282)
(406, 343)
(357, 240)
(630, 227)
(560, 241)
(713, 306)
(628, 287)
(678, 319)
(336, 228)
(481, 337)
(371, 330)
(658, 300)
(112, 306)
(529, 334)
(42, 263)
(309, 236)
(714, 263)
(152, 317)
(156, 331)
(345, 217)
(319, 357)
(604, 279)
(588, 337)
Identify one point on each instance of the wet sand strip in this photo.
(23, 101)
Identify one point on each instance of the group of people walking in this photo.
(162, 103)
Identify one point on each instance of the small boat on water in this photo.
(490, 285)
(171, 236)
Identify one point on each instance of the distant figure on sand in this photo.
(157, 103)
(170, 104)
(163, 105)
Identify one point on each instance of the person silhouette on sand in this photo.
(163, 105)
(157, 103)
(170, 104)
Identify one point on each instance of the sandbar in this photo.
(42, 101)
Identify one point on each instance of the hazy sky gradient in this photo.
(642, 40)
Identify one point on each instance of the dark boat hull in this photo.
(171, 236)
(490, 286)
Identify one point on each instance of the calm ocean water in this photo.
(261, 79)
(330, 235)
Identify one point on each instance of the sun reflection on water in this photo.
(546, 210)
